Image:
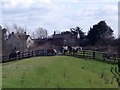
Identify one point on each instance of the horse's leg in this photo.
(64, 52)
(16, 56)
(69, 52)
(73, 52)
(9, 57)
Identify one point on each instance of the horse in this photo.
(70, 49)
(14, 55)
(64, 49)
(51, 51)
(55, 51)
(80, 48)
(74, 49)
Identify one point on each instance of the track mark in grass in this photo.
(16, 67)
(57, 72)
(82, 67)
(106, 80)
(112, 80)
(58, 86)
(64, 74)
(3, 76)
(102, 75)
(68, 77)
(47, 83)
(90, 82)
(22, 79)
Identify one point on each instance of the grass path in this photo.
(57, 72)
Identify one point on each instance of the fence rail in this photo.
(23, 56)
(101, 56)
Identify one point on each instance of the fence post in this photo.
(114, 57)
(32, 54)
(3, 59)
(28, 54)
(83, 53)
(93, 54)
(37, 53)
(103, 56)
(22, 55)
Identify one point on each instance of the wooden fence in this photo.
(24, 55)
(101, 56)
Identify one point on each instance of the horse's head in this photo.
(17, 52)
(66, 48)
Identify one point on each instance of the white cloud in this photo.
(58, 16)
(11, 4)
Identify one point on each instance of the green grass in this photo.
(57, 72)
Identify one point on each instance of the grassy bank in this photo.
(57, 72)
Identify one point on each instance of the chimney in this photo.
(0, 27)
(12, 33)
(25, 32)
(17, 32)
(54, 33)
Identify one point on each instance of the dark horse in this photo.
(64, 49)
(13, 55)
(70, 49)
(73, 50)
(51, 52)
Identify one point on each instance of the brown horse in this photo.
(51, 52)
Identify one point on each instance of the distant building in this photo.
(20, 41)
(29, 43)
(40, 44)
(64, 39)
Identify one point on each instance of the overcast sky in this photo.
(59, 15)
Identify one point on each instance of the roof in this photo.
(22, 37)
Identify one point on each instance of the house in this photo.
(40, 44)
(64, 38)
(20, 41)
(29, 43)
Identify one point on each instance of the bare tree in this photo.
(19, 29)
(15, 28)
(8, 29)
(33, 35)
(41, 33)
(4, 41)
(20, 37)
